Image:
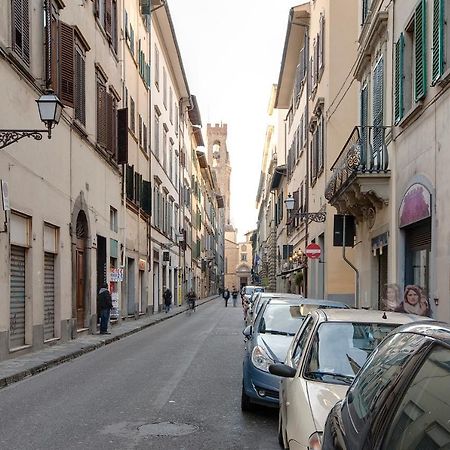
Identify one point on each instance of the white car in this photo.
(325, 355)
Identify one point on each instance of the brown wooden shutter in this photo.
(109, 123)
(147, 197)
(54, 51)
(67, 56)
(80, 87)
(108, 20)
(122, 138)
(295, 221)
(130, 182)
(101, 114)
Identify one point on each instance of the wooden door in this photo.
(81, 313)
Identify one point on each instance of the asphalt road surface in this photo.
(175, 385)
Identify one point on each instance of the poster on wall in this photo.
(412, 300)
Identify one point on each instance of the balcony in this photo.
(360, 182)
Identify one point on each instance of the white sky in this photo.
(231, 52)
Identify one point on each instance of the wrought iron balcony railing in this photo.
(364, 153)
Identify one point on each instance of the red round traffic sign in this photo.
(313, 251)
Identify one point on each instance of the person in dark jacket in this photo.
(167, 299)
(226, 296)
(104, 302)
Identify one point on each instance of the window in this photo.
(170, 105)
(377, 108)
(317, 149)
(106, 118)
(113, 219)
(106, 13)
(80, 83)
(176, 119)
(20, 20)
(145, 139)
(365, 10)
(243, 256)
(140, 131)
(164, 87)
(164, 148)
(384, 364)
(156, 135)
(157, 67)
(171, 157)
(364, 121)
(410, 77)
(419, 421)
(301, 343)
(132, 116)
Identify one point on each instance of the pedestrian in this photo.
(167, 300)
(234, 295)
(191, 297)
(104, 302)
(226, 296)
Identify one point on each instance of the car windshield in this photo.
(340, 349)
(281, 319)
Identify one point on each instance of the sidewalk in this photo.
(16, 369)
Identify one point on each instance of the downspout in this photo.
(308, 87)
(357, 302)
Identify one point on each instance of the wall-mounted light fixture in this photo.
(319, 216)
(50, 108)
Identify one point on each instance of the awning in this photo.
(279, 172)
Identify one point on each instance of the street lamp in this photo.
(50, 108)
(314, 217)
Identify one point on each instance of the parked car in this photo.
(321, 362)
(267, 341)
(400, 398)
(246, 294)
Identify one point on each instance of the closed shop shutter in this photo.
(419, 237)
(49, 296)
(17, 298)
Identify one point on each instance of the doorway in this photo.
(131, 309)
(80, 261)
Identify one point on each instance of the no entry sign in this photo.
(313, 251)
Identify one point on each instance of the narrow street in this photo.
(175, 385)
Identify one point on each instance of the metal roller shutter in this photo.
(17, 298)
(419, 237)
(49, 296)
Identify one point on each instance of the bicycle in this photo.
(191, 307)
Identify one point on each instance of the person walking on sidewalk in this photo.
(167, 300)
(234, 295)
(226, 296)
(104, 302)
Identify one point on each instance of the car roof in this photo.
(429, 328)
(366, 316)
(298, 299)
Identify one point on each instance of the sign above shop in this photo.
(415, 206)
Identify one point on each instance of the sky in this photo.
(231, 53)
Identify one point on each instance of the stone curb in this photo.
(38, 368)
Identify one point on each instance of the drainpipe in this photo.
(350, 263)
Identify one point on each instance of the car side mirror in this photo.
(282, 370)
(247, 332)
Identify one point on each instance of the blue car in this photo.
(267, 342)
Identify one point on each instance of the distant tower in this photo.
(219, 161)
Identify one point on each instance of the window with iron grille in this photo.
(170, 105)
(164, 147)
(20, 25)
(164, 87)
(156, 67)
(156, 135)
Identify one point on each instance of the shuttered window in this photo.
(322, 44)
(132, 116)
(66, 62)
(20, 15)
(130, 182)
(80, 86)
(420, 79)
(378, 104)
(122, 136)
(101, 114)
(399, 78)
(147, 197)
(438, 39)
(364, 119)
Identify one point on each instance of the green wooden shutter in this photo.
(420, 51)
(364, 117)
(399, 77)
(438, 40)
(377, 114)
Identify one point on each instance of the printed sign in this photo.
(116, 275)
(5, 195)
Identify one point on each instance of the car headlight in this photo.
(260, 359)
(315, 442)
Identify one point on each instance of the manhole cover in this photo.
(166, 429)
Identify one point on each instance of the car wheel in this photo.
(280, 433)
(245, 401)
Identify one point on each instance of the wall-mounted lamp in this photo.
(50, 108)
(314, 217)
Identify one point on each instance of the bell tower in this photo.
(219, 161)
